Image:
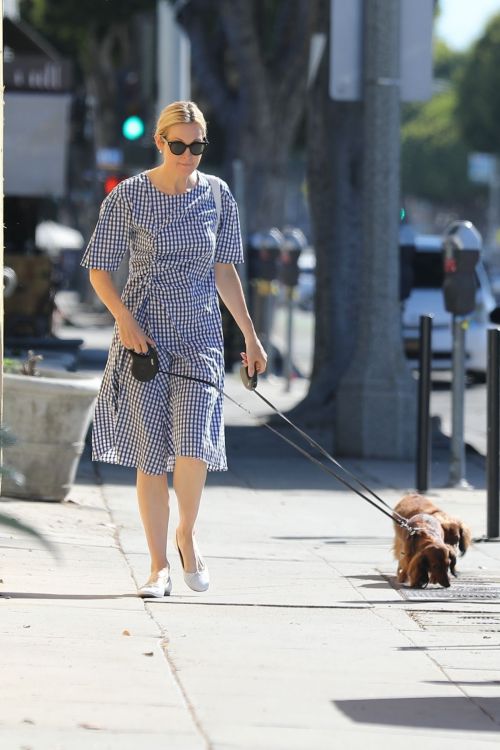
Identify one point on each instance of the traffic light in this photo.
(133, 128)
(111, 181)
(134, 110)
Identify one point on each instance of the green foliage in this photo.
(434, 153)
(66, 23)
(434, 156)
(448, 64)
(479, 92)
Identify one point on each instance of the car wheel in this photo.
(476, 377)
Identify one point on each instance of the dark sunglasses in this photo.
(178, 147)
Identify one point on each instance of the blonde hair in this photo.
(178, 113)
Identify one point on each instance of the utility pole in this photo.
(376, 398)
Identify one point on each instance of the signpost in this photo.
(415, 50)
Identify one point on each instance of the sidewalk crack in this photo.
(163, 635)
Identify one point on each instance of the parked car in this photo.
(426, 297)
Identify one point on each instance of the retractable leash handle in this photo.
(250, 382)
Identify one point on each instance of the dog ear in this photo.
(418, 572)
(453, 561)
(465, 538)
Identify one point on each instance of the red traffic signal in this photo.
(111, 181)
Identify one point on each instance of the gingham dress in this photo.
(171, 293)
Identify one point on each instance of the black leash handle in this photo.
(250, 382)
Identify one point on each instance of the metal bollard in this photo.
(493, 441)
(457, 458)
(423, 410)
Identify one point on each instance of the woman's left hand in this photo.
(255, 358)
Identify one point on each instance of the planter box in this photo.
(49, 416)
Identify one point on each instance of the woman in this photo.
(181, 253)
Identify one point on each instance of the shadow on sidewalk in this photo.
(459, 713)
(63, 597)
(260, 460)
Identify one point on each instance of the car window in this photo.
(427, 270)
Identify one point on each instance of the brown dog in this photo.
(456, 533)
(423, 557)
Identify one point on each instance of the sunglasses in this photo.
(178, 147)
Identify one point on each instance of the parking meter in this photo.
(406, 260)
(461, 250)
(293, 244)
(265, 250)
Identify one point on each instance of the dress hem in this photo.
(169, 469)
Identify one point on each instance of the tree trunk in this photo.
(265, 168)
(251, 61)
(334, 148)
(375, 404)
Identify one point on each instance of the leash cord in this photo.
(392, 514)
(322, 450)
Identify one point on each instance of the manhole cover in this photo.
(468, 586)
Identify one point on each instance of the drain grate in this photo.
(467, 587)
(457, 621)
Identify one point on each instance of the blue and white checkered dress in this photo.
(171, 293)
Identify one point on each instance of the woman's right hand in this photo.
(131, 334)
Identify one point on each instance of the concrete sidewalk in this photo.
(302, 641)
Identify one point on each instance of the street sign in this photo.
(346, 46)
(481, 167)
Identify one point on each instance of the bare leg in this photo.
(189, 480)
(152, 494)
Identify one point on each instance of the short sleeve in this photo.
(111, 238)
(228, 246)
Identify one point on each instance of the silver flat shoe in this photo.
(159, 587)
(200, 579)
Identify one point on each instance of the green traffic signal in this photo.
(133, 128)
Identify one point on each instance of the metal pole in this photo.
(239, 194)
(289, 338)
(257, 311)
(457, 459)
(493, 442)
(262, 316)
(424, 392)
(173, 58)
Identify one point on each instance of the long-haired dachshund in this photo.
(423, 557)
(456, 533)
